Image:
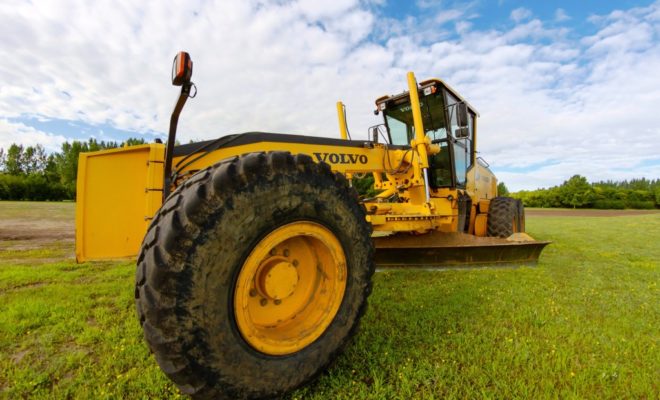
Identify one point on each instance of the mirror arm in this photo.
(171, 138)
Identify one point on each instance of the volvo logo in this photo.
(341, 158)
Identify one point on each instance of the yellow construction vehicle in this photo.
(255, 254)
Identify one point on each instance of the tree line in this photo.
(577, 192)
(29, 173)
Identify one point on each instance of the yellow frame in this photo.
(120, 190)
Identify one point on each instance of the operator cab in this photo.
(448, 120)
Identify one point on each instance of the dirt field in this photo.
(44, 230)
(47, 223)
(565, 212)
(36, 230)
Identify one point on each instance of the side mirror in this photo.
(462, 133)
(181, 69)
(462, 115)
(374, 133)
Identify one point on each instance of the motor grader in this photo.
(255, 253)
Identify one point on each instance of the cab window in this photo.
(461, 162)
(400, 131)
(400, 124)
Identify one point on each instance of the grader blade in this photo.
(454, 250)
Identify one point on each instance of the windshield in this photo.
(399, 120)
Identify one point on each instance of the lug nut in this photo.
(278, 302)
(295, 263)
(263, 302)
(273, 252)
(286, 252)
(253, 292)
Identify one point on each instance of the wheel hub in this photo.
(277, 279)
(290, 288)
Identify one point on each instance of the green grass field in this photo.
(584, 323)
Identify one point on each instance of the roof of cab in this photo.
(426, 83)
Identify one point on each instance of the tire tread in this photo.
(177, 224)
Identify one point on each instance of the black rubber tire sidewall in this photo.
(214, 359)
(258, 372)
(503, 213)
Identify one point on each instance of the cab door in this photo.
(460, 138)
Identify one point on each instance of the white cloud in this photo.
(561, 16)
(13, 132)
(325, 9)
(428, 3)
(583, 106)
(448, 15)
(520, 14)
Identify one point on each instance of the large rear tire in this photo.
(505, 217)
(253, 276)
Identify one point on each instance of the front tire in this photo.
(505, 217)
(253, 276)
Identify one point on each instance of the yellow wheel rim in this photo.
(290, 288)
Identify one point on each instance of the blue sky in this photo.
(562, 87)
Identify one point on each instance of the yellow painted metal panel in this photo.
(118, 191)
(359, 159)
(155, 175)
(342, 120)
(341, 159)
(481, 183)
(480, 225)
